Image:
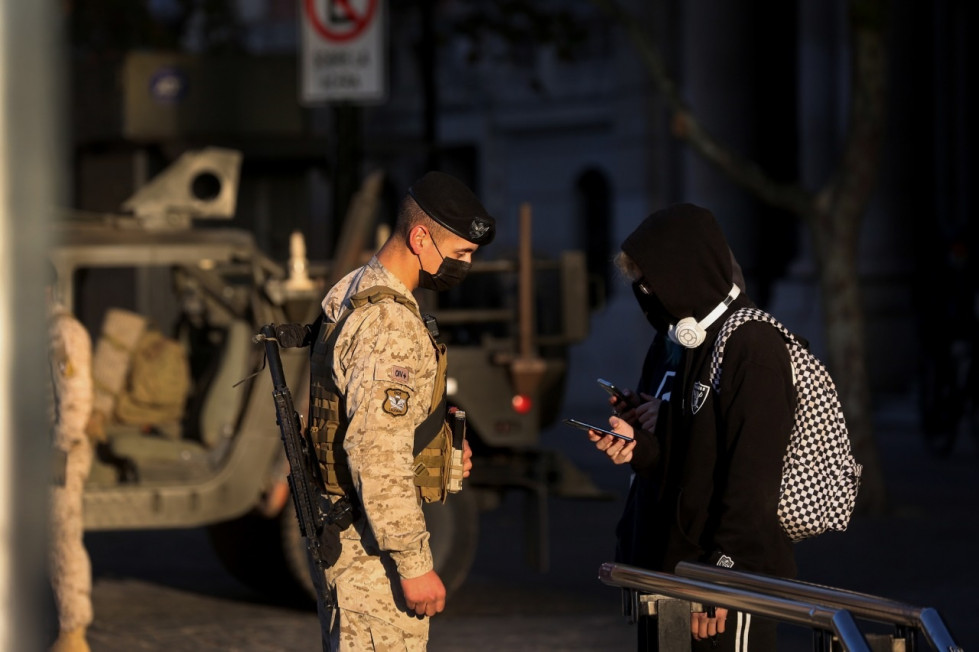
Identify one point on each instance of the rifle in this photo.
(313, 509)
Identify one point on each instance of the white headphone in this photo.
(690, 333)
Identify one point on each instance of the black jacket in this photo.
(636, 531)
(718, 466)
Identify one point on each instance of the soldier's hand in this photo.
(467, 458)
(425, 594)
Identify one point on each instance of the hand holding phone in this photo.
(613, 390)
(581, 425)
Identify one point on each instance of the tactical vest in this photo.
(328, 415)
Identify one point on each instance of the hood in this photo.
(685, 260)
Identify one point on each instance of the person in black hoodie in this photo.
(641, 410)
(713, 462)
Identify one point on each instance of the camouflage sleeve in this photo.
(71, 373)
(389, 366)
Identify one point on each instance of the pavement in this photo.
(921, 552)
(165, 591)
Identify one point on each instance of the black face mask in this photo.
(649, 303)
(450, 273)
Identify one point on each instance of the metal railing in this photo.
(860, 605)
(795, 611)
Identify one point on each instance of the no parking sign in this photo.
(342, 51)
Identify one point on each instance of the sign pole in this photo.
(342, 65)
(347, 158)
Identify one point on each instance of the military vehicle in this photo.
(221, 464)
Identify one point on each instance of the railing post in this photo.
(810, 614)
(907, 619)
(673, 624)
(822, 640)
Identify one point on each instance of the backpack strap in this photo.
(739, 317)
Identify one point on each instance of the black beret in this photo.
(452, 204)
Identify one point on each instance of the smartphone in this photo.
(581, 425)
(612, 390)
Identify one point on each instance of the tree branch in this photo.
(687, 128)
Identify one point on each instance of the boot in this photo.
(73, 641)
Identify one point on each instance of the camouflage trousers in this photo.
(71, 570)
(368, 610)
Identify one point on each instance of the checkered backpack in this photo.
(820, 478)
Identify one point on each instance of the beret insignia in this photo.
(478, 229)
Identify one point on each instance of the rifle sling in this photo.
(428, 429)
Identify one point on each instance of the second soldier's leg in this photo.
(71, 570)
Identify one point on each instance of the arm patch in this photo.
(396, 401)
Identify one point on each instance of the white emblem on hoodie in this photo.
(698, 396)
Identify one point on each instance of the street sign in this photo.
(342, 51)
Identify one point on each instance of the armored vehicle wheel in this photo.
(269, 555)
(261, 553)
(455, 535)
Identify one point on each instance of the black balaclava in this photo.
(652, 308)
(685, 261)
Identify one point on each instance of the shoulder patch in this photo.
(400, 374)
(396, 401)
(386, 373)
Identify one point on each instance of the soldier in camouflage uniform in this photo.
(387, 371)
(71, 573)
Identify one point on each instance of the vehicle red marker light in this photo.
(521, 404)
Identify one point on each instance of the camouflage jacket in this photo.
(385, 366)
(71, 377)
